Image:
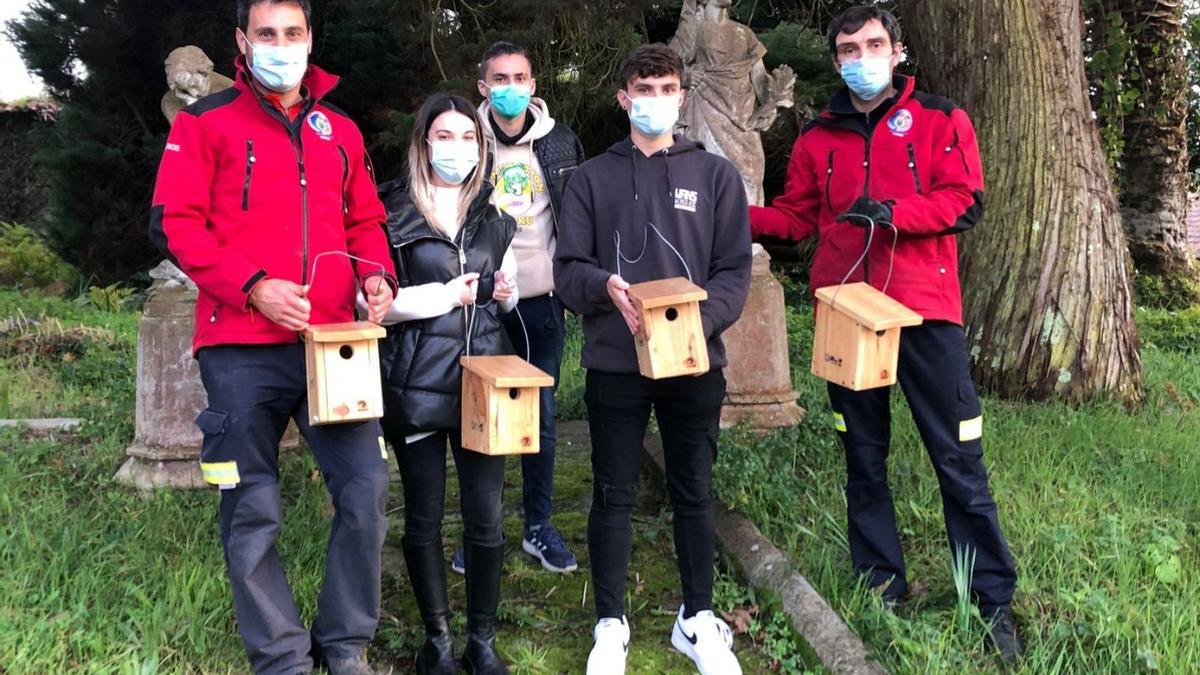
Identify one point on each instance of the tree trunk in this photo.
(1155, 181)
(1046, 275)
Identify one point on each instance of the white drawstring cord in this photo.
(312, 277)
(470, 324)
(866, 251)
(645, 242)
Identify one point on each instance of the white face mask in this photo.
(454, 160)
(278, 68)
(654, 115)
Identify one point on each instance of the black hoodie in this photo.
(694, 198)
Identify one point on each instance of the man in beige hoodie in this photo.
(533, 156)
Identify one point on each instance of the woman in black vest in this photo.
(457, 271)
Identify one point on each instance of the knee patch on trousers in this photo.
(620, 498)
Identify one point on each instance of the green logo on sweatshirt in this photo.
(516, 186)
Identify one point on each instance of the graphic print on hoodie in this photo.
(695, 199)
(521, 192)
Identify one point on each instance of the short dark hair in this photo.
(653, 60)
(853, 19)
(243, 10)
(501, 48)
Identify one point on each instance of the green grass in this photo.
(98, 578)
(1100, 506)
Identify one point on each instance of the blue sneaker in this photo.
(546, 544)
(459, 562)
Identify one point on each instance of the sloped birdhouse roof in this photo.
(664, 292)
(344, 332)
(506, 371)
(868, 306)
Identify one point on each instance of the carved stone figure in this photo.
(190, 77)
(730, 95)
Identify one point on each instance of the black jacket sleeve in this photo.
(580, 281)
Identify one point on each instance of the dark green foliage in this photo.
(1177, 330)
(102, 59)
(26, 262)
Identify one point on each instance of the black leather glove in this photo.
(865, 211)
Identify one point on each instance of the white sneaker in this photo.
(707, 641)
(611, 648)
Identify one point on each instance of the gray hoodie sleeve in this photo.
(581, 282)
(729, 270)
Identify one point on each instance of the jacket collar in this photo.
(406, 223)
(842, 114)
(317, 81)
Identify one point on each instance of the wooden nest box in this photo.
(671, 341)
(857, 339)
(500, 405)
(342, 360)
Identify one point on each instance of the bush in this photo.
(1165, 291)
(26, 262)
(1177, 330)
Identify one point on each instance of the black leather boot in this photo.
(484, 567)
(427, 571)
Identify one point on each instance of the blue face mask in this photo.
(278, 68)
(454, 160)
(868, 77)
(654, 115)
(510, 100)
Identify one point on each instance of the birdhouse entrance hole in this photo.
(346, 352)
(672, 314)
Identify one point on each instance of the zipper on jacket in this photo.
(867, 193)
(828, 180)
(961, 153)
(250, 160)
(345, 178)
(298, 151)
(912, 165)
(213, 318)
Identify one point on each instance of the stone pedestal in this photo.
(759, 374)
(166, 444)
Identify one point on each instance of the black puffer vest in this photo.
(422, 378)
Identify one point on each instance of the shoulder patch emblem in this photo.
(321, 124)
(901, 122)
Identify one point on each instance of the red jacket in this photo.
(243, 194)
(916, 152)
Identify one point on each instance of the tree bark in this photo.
(1155, 180)
(1046, 275)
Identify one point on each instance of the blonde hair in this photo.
(420, 171)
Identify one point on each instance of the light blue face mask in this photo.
(869, 76)
(654, 115)
(510, 100)
(279, 68)
(454, 160)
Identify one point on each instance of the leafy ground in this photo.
(95, 578)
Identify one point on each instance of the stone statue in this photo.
(730, 95)
(190, 77)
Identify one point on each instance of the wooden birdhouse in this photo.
(857, 339)
(671, 341)
(500, 405)
(342, 360)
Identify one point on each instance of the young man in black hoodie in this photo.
(654, 206)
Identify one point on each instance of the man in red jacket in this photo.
(256, 183)
(885, 178)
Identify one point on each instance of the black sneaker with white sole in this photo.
(546, 543)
